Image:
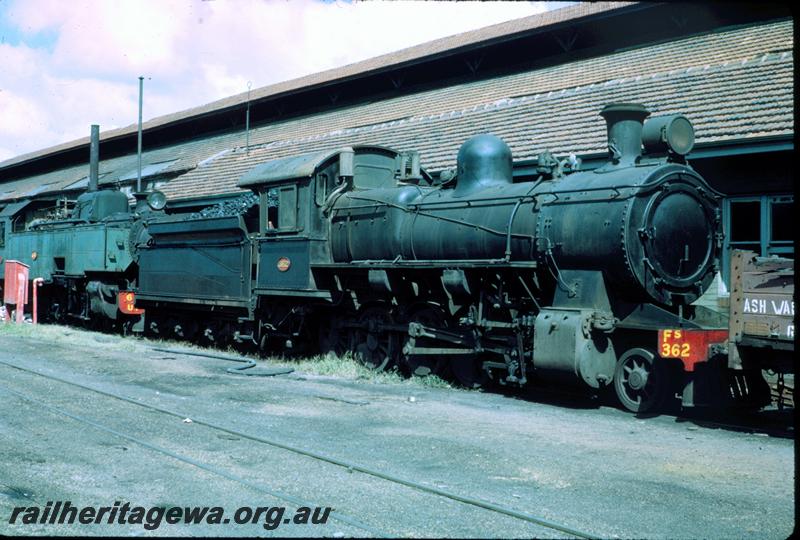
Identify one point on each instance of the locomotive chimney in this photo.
(624, 122)
(94, 158)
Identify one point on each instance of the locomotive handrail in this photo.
(525, 198)
(331, 199)
(434, 216)
(411, 262)
(617, 189)
(617, 193)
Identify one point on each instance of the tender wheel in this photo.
(215, 334)
(638, 383)
(183, 328)
(426, 364)
(155, 326)
(373, 347)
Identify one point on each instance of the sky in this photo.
(67, 64)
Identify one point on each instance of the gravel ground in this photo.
(570, 461)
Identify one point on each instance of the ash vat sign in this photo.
(769, 306)
(768, 316)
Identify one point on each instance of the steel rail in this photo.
(328, 459)
(208, 468)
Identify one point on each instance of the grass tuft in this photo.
(431, 381)
(328, 365)
(344, 366)
(69, 335)
(347, 367)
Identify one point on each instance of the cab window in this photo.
(281, 209)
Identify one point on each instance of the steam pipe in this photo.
(139, 144)
(94, 158)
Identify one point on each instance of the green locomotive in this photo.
(581, 277)
(86, 256)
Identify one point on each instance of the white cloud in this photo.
(20, 115)
(192, 52)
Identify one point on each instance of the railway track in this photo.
(349, 466)
(343, 518)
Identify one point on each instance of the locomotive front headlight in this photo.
(156, 200)
(673, 133)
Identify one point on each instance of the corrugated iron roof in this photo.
(732, 98)
(384, 62)
(733, 85)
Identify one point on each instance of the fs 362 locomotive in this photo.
(577, 277)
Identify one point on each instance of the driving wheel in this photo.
(374, 346)
(638, 383)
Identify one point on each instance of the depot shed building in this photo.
(537, 82)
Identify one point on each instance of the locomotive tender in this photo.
(582, 277)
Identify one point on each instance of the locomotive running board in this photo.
(169, 299)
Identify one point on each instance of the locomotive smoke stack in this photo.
(94, 158)
(625, 122)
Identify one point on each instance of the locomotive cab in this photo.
(295, 196)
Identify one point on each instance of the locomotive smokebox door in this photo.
(568, 347)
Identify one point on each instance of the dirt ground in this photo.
(571, 461)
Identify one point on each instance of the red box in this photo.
(16, 272)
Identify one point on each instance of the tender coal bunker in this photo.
(231, 207)
(682, 239)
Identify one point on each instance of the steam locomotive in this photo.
(577, 277)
